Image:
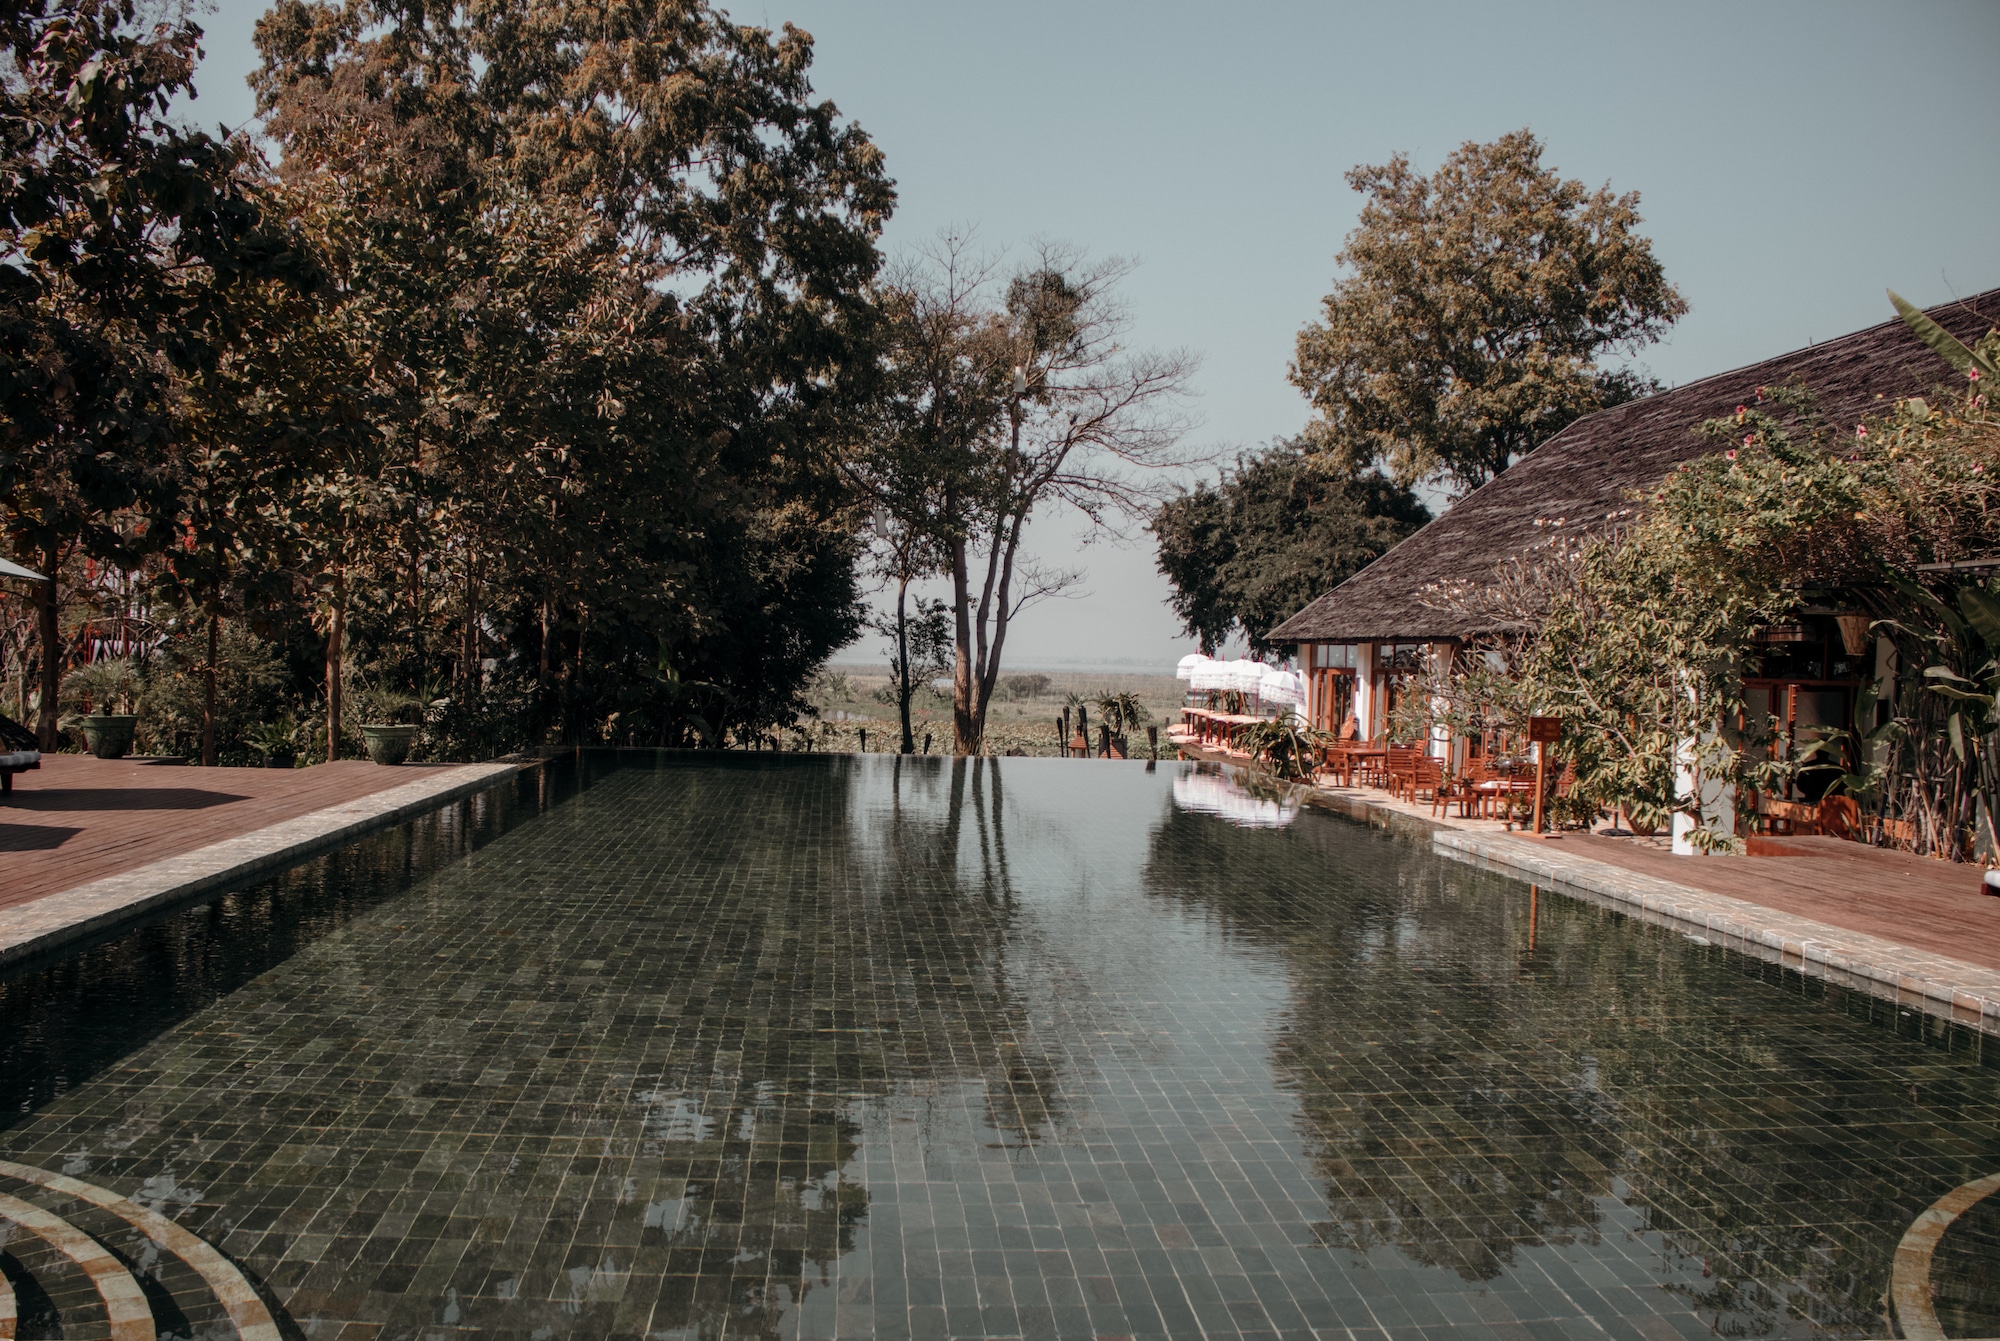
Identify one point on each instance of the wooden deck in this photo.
(79, 819)
(1931, 905)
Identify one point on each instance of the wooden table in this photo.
(1347, 760)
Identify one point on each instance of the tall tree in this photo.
(1251, 550)
(125, 234)
(1476, 305)
(1006, 397)
(612, 266)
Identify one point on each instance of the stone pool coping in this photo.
(92, 909)
(1945, 988)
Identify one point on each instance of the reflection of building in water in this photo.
(1465, 1101)
(1207, 790)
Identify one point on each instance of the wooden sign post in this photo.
(1544, 732)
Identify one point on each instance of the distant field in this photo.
(1023, 713)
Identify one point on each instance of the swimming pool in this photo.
(685, 1045)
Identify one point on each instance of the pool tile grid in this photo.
(1951, 989)
(780, 1054)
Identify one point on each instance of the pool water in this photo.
(679, 1045)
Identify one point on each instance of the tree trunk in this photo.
(964, 728)
(573, 710)
(903, 689)
(336, 633)
(208, 693)
(46, 609)
(468, 646)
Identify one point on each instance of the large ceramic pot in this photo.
(388, 744)
(109, 734)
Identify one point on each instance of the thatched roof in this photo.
(1589, 470)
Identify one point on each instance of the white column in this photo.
(1364, 690)
(1439, 745)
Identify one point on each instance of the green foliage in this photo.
(1021, 687)
(1122, 711)
(1634, 637)
(1638, 637)
(554, 442)
(1284, 527)
(1476, 305)
(1286, 746)
(128, 239)
(251, 687)
(274, 738)
(1982, 360)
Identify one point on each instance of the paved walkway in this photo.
(1907, 928)
(86, 843)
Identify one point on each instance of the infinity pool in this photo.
(679, 1046)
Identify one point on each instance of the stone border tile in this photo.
(88, 909)
(1949, 989)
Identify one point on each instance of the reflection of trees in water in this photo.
(883, 962)
(1467, 1094)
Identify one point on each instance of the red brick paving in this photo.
(79, 819)
(1930, 905)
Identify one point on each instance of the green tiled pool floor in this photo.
(867, 1047)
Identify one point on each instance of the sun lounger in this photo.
(19, 752)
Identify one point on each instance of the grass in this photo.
(1022, 714)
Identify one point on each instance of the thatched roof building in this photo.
(1589, 471)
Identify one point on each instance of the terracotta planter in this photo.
(388, 744)
(109, 734)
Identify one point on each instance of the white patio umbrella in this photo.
(16, 570)
(1246, 675)
(1208, 675)
(1185, 671)
(1282, 686)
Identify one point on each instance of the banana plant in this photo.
(1832, 747)
(1970, 727)
(1981, 360)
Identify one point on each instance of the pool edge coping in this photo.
(100, 906)
(1949, 989)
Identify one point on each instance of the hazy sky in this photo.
(1794, 160)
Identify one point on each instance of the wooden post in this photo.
(1541, 779)
(1544, 732)
(1153, 740)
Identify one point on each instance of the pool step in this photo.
(183, 1285)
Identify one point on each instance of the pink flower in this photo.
(1972, 373)
(1730, 454)
(1861, 430)
(1749, 439)
(1978, 469)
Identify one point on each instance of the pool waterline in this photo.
(1017, 1047)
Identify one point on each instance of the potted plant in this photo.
(276, 741)
(106, 685)
(391, 732)
(109, 734)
